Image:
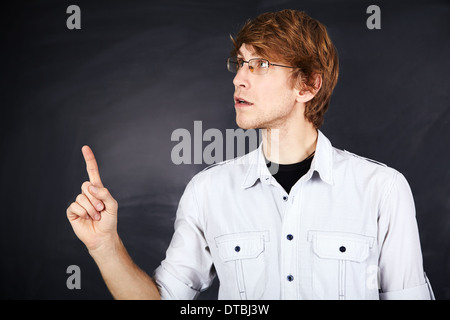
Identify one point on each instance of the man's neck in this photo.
(287, 145)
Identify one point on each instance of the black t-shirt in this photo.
(288, 174)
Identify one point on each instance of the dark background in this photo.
(138, 70)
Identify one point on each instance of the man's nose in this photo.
(241, 78)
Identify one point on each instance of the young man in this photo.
(326, 225)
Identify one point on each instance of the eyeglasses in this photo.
(255, 65)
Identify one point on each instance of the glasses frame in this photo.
(234, 61)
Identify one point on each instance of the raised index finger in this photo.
(91, 166)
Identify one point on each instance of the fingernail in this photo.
(99, 206)
(93, 189)
(97, 217)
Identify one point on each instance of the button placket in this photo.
(289, 248)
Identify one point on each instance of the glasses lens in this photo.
(258, 66)
(232, 65)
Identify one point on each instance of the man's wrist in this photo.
(108, 249)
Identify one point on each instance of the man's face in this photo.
(269, 98)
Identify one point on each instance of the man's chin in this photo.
(246, 125)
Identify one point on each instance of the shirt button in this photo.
(237, 248)
(290, 278)
(342, 249)
(290, 237)
(285, 198)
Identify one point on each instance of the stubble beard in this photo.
(275, 118)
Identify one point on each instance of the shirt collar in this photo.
(322, 164)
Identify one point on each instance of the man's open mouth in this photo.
(241, 102)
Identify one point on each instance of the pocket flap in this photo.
(341, 246)
(245, 245)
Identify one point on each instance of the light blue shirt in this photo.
(346, 230)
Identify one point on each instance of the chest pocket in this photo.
(339, 264)
(243, 258)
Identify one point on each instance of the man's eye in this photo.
(240, 63)
(263, 64)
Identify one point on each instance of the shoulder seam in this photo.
(367, 159)
(388, 191)
(226, 162)
(217, 164)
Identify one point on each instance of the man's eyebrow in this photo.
(239, 54)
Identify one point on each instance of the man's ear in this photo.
(305, 93)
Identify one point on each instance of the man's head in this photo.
(288, 38)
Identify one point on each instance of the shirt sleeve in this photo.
(187, 269)
(400, 260)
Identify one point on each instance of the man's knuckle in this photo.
(85, 185)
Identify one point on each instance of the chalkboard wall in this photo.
(138, 70)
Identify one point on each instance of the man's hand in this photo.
(93, 215)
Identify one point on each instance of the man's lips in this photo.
(241, 102)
